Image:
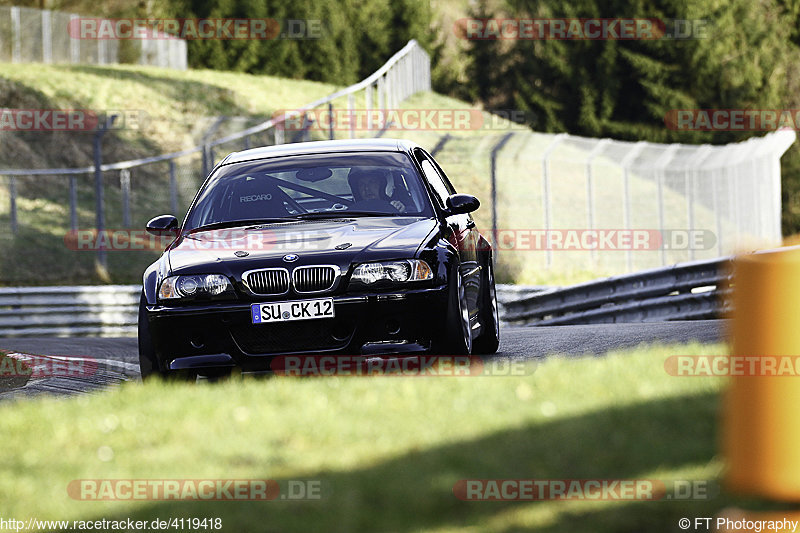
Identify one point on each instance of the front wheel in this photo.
(148, 362)
(458, 333)
(489, 339)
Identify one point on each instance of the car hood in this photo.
(313, 241)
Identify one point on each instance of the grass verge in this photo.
(387, 451)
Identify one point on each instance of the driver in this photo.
(370, 185)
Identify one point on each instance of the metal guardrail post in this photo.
(493, 176)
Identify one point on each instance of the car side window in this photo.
(440, 189)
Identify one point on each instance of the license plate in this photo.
(288, 311)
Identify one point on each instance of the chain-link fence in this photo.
(41, 36)
(551, 203)
(590, 207)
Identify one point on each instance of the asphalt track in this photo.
(116, 359)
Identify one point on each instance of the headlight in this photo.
(208, 285)
(396, 271)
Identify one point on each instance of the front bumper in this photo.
(221, 334)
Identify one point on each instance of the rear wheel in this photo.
(489, 339)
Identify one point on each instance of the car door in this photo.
(462, 227)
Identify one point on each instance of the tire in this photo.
(489, 339)
(458, 333)
(148, 362)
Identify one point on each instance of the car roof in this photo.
(321, 147)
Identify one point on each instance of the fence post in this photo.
(351, 104)
(173, 188)
(204, 154)
(74, 44)
(493, 177)
(12, 198)
(660, 167)
(548, 223)
(382, 93)
(101, 51)
(626, 194)
(598, 148)
(102, 129)
(330, 121)
(73, 202)
(368, 95)
(692, 173)
(125, 186)
(16, 31)
(47, 37)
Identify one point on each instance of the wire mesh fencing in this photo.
(30, 35)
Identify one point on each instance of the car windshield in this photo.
(312, 186)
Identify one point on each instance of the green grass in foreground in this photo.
(387, 450)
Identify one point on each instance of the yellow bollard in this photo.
(761, 419)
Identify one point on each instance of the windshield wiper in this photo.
(234, 223)
(341, 214)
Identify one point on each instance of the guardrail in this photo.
(686, 291)
(103, 310)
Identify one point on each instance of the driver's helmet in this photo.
(369, 184)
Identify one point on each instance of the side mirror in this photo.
(458, 204)
(162, 224)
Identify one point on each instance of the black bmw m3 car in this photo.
(358, 247)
